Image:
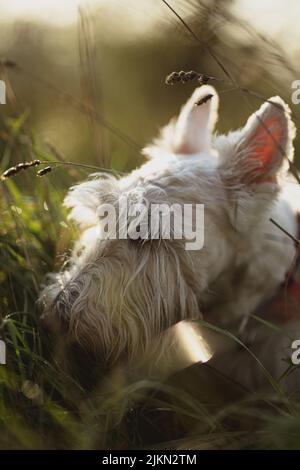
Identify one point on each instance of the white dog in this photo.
(119, 296)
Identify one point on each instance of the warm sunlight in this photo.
(149, 229)
(267, 16)
(53, 11)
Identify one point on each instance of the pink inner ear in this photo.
(268, 139)
(268, 143)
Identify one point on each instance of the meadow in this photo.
(98, 108)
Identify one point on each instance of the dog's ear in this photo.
(256, 153)
(191, 132)
(196, 121)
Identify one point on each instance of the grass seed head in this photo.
(184, 77)
(44, 171)
(19, 167)
(10, 172)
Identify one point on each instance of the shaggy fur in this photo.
(119, 296)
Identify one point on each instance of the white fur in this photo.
(119, 296)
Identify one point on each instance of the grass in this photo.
(42, 407)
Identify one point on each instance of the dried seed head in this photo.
(172, 78)
(10, 172)
(19, 167)
(44, 171)
(184, 77)
(23, 166)
(191, 75)
(203, 79)
(204, 99)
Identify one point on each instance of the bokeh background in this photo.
(113, 56)
(86, 83)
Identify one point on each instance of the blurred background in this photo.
(85, 82)
(111, 58)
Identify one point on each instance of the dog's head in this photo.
(119, 294)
